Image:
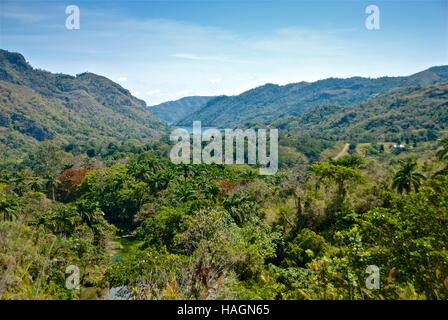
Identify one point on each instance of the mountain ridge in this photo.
(270, 102)
(86, 109)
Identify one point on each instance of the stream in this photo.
(124, 246)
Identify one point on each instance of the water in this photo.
(118, 293)
(126, 246)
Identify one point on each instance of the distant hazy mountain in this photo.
(173, 111)
(37, 105)
(271, 102)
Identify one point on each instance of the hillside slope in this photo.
(37, 105)
(413, 113)
(173, 111)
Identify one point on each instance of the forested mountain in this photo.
(173, 111)
(86, 109)
(412, 113)
(271, 102)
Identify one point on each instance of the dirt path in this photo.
(342, 152)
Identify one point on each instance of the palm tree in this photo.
(9, 207)
(407, 177)
(442, 155)
(52, 181)
(442, 152)
(60, 220)
(185, 192)
(89, 212)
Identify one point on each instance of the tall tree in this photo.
(9, 206)
(340, 172)
(47, 162)
(442, 155)
(442, 152)
(407, 177)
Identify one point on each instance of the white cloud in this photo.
(304, 42)
(152, 92)
(185, 92)
(246, 78)
(215, 81)
(189, 56)
(173, 54)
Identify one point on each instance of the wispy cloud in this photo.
(143, 52)
(189, 56)
(22, 16)
(215, 81)
(305, 42)
(152, 92)
(178, 53)
(184, 93)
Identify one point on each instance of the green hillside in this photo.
(173, 111)
(75, 112)
(412, 113)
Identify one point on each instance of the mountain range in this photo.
(269, 103)
(89, 111)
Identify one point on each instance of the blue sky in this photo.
(164, 50)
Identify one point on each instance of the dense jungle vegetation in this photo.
(206, 232)
(85, 180)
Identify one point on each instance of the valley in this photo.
(86, 180)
